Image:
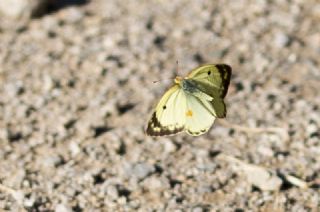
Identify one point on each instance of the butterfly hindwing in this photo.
(213, 80)
(219, 108)
(199, 115)
(168, 117)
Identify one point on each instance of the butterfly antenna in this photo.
(176, 73)
(177, 68)
(156, 81)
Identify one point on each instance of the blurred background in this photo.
(76, 92)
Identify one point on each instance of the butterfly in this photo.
(192, 103)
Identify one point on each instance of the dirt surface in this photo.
(77, 91)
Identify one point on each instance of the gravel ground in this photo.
(77, 91)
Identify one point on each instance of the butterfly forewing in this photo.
(168, 117)
(212, 79)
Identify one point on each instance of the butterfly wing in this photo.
(194, 112)
(169, 116)
(214, 81)
(199, 115)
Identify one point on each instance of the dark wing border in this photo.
(155, 128)
(225, 73)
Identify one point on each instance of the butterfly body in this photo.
(193, 103)
(189, 86)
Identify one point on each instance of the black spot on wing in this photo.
(225, 73)
(156, 129)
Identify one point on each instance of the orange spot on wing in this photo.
(189, 113)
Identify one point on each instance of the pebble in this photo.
(154, 183)
(142, 170)
(266, 151)
(198, 209)
(74, 148)
(52, 161)
(62, 208)
(281, 40)
(14, 8)
(112, 192)
(73, 15)
(20, 8)
(169, 146)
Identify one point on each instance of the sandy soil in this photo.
(77, 91)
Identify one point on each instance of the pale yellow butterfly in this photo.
(192, 103)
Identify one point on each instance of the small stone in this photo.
(312, 128)
(13, 8)
(281, 40)
(266, 151)
(18, 196)
(48, 83)
(153, 183)
(29, 202)
(122, 200)
(49, 23)
(73, 15)
(74, 148)
(197, 209)
(142, 170)
(52, 161)
(204, 189)
(169, 146)
(14, 89)
(112, 192)
(23, 8)
(62, 208)
(292, 58)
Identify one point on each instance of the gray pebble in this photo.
(112, 192)
(142, 170)
(73, 15)
(281, 40)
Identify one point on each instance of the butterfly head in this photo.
(178, 79)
